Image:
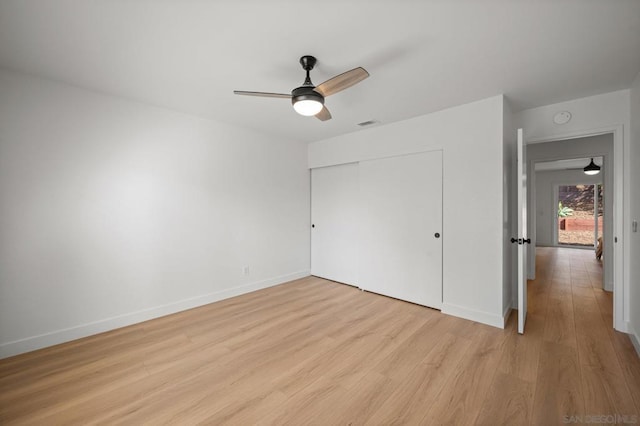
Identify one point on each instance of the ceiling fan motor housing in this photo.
(306, 93)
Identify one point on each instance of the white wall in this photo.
(113, 212)
(470, 137)
(546, 208)
(634, 273)
(608, 112)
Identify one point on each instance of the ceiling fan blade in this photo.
(324, 114)
(263, 94)
(342, 81)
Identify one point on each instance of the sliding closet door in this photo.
(334, 218)
(401, 226)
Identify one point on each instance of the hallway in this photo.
(583, 365)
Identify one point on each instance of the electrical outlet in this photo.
(245, 270)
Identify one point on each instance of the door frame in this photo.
(620, 248)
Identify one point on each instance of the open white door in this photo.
(522, 238)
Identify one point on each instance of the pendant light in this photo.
(592, 168)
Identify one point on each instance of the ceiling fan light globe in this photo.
(308, 107)
(307, 101)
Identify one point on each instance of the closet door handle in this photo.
(437, 235)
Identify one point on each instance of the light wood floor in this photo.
(316, 352)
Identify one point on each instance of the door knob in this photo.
(437, 235)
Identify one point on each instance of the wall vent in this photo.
(368, 123)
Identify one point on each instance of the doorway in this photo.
(565, 199)
(580, 215)
(607, 145)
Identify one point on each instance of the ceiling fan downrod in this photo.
(307, 62)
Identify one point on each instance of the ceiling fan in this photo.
(308, 99)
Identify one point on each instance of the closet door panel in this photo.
(334, 218)
(401, 227)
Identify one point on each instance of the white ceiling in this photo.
(423, 56)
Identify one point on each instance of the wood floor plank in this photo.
(362, 400)
(249, 410)
(460, 401)
(560, 324)
(317, 352)
(521, 352)
(309, 406)
(400, 363)
(413, 396)
(558, 386)
(604, 383)
(66, 377)
(538, 294)
(509, 402)
(604, 393)
(630, 364)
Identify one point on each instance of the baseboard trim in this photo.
(622, 327)
(473, 315)
(505, 315)
(66, 335)
(635, 341)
